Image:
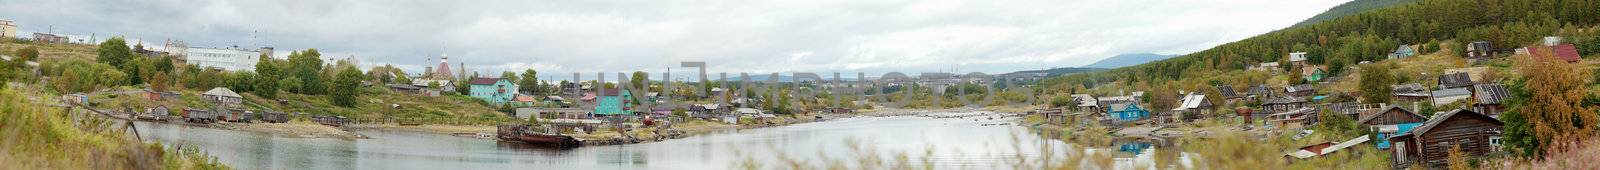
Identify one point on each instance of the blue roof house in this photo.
(1127, 112)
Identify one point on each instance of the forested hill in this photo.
(1365, 36)
(1351, 8)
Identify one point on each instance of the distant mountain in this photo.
(1124, 60)
(1059, 71)
(1351, 8)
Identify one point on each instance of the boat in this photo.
(527, 134)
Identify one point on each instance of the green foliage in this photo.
(114, 52)
(1060, 101)
(1513, 22)
(346, 87)
(267, 77)
(290, 84)
(27, 54)
(307, 65)
(529, 82)
(1376, 83)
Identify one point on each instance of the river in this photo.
(945, 143)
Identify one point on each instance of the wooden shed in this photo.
(1391, 121)
(1429, 144)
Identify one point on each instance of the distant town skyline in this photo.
(558, 38)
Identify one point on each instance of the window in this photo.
(1494, 140)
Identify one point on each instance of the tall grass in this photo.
(37, 136)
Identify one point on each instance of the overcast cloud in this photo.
(563, 36)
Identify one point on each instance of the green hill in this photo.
(1366, 36)
(1351, 8)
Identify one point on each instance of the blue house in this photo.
(1391, 121)
(494, 90)
(1127, 112)
(614, 102)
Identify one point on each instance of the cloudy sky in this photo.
(588, 36)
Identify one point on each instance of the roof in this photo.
(1299, 88)
(1364, 119)
(1451, 92)
(1284, 100)
(484, 81)
(1566, 52)
(1309, 70)
(1441, 118)
(1259, 90)
(1085, 100)
(1191, 101)
(1227, 91)
(1490, 93)
(1123, 107)
(610, 92)
(1408, 88)
(1452, 80)
(220, 91)
(1107, 101)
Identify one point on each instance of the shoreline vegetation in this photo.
(40, 136)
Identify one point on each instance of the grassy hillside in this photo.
(38, 136)
(1367, 36)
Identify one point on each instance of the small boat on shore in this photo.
(527, 134)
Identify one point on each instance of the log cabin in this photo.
(1429, 144)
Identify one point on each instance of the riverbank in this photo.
(295, 129)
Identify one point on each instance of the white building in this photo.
(8, 29)
(231, 59)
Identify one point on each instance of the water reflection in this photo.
(917, 141)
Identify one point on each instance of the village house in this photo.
(1301, 116)
(1314, 73)
(1105, 103)
(405, 88)
(1554, 50)
(1283, 104)
(1267, 67)
(1479, 51)
(494, 90)
(1258, 92)
(1302, 90)
(222, 96)
(1391, 121)
(1085, 103)
(1193, 104)
(524, 101)
(1124, 112)
(1489, 99)
(1298, 59)
(1404, 51)
(614, 102)
(1429, 144)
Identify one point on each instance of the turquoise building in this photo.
(614, 102)
(494, 90)
(1128, 112)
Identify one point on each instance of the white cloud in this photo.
(559, 37)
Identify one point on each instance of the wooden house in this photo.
(1404, 51)
(1283, 104)
(1193, 104)
(1127, 112)
(1299, 116)
(1489, 99)
(1391, 121)
(405, 88)
(1086, 103)
(1314, 73)
(1480, 50)
(1258, 92)
(1229, 94)
(198, 115)
(1298, 59)
(223, 96)
(1302, 90)
(1429, 144)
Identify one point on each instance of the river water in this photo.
(945, 143)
